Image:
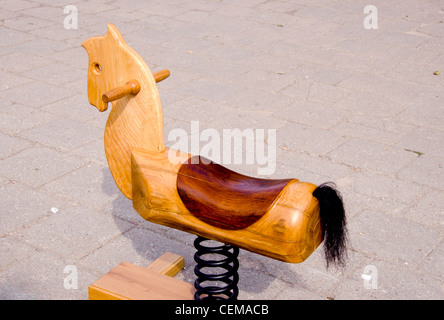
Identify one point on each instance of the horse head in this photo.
(105, 57)
(118, 74)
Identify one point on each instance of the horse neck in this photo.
(134, 122)
(137, 121)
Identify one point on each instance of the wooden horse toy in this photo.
(282, 219)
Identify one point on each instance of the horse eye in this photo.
(97, 68)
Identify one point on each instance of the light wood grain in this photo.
(161, 75)
(168, 264)
(131, 87)
(135, 121)
(130, 282)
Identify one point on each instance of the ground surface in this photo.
(357, 106)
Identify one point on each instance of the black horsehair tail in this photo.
(333, 220)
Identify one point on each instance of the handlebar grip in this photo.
(131, 87)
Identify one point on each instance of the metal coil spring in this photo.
(222, 286)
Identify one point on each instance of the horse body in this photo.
(292, 218)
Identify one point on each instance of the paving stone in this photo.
(292, 293)
(233, 39)
(122, 207)
(379, 85)
(16, 117)
(393, 283)
(214, 91)
(423, 141)
(172, 58)
(325, 93)
(56, 31)
(62, 133)
(40, 46)
(76, 107)
(48, 12)
(21, 207)
(163, 9)
(218, 71)
(168, 88)
(384, 193)
(361, 127)
(149, 38)
(418, 114)
(12, 251)
(225, 54)
(62, 234)
(17, 5)
(18, 283)
(391, 234)
(8, 80)
(36, 94)
(322, 55)
(432, 264)
(30, 23)
(3, 181)
(38, 165)
(311, 140)
(56, 73)
(427, 170)
(427, 210)
(93, 151)
(260, 286)
(372, 156)
(11, 37)
(5, 14)
(402, 38)
(261, 79)
(363, 50)
(319, 165)
(20, 61)
(370, 64)
(99, 190)
(416, 55)
(139, 246)
(11, 145)
(312, 114)
(76, 57)
(131, 5)
(202, 110)
(372, 104)
(423, 73)
(257, 100)
(322, 73)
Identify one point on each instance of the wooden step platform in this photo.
(155, 282)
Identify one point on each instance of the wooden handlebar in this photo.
(161, 75)
(131, 87)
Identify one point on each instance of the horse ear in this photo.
(86, 44)
(114, 32)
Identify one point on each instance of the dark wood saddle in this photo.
(224, 198)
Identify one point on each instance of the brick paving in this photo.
(360, 107)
